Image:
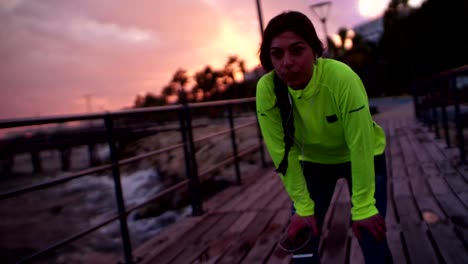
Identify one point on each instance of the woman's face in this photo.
(293, 59)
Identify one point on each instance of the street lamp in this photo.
(321, 10)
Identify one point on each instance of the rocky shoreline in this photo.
(31, 222)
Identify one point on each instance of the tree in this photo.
(423, 41)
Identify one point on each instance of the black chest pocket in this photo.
(332, 119)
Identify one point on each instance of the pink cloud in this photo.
(53, 52)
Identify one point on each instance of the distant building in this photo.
(371, 30)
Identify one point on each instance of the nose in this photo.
(287, 60)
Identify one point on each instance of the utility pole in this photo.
(87, 98)
(260, 17)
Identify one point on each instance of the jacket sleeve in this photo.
(358, 130)
(272, 130)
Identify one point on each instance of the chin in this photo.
(297, 85)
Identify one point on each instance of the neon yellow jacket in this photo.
(333, 125)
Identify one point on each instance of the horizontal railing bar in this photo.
(104, 167)
(129, 210)
(455, 71)
(149, 154)
(68, 240)
(53, 182)
(222, 132)
(222, 102)
(30, 121)
(159, 195)
(185, 182)
(228, 161)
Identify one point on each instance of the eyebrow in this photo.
(299, 42)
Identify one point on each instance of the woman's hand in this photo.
(298, 223)
(375, 225)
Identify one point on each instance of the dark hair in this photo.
(300, 25)
(295, 22)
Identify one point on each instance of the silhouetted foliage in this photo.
(209, 85)
(423, 41)
(149, 100)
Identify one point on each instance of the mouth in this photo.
(291, 76)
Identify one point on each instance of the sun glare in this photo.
(415, 3)
(371, 8)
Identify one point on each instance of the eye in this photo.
(277, 54)
(297, 50)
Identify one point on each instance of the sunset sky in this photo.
(55, 53)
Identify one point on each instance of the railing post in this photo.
(415, 91)
(445, 101)
(260, 140)
(234, 144)
(458, 119)
(127, 247)
(36, 161)
(191, 167)
(435, 105)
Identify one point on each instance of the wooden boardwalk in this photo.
(427, 217)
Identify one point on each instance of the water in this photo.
(80, 204)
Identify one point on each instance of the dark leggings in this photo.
(321, 181)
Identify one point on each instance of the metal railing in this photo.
(440, 100)
(193, 177)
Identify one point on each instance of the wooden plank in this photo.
(391, 219)
(276, 190)
(450, 247)
(264, 190)
(417, 138)
(218, 246)
(335, 247)
(434, 152)
(226, 195)
(220, 199)
(430, 209)
(269, 238)
(406, 148)
(280, 201)
(245, 195)
(454, 209)
(463, 198)
(438, 185)
(237, 252)
(164, 239)
(456, 183)
(398, 168)
(418, 245)
(430, 169)
(417, 181)
(189, 254)
(401, 188)
(459, 187)
(219, 227)
(189, 237)
(407, 212)
(395, 243)
(242, 222)
(463, 170)
(355, 255)
(340, 185)
(280, 256)
(450, 203)
(462, 232)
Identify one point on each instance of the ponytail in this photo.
(287, 118)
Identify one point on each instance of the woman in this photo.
(315, 120)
